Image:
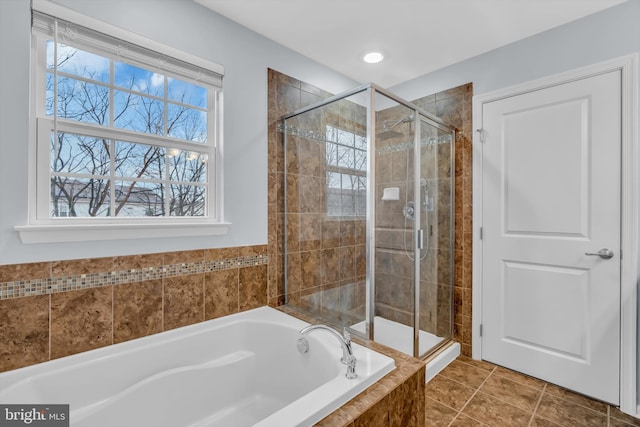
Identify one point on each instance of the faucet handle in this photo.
(346, 335)
(347, 354)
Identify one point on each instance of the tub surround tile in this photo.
(252, 287)
(406, 403)
(220, 293)
(137, 261)
(81, 266)
(24, 332)
(81, 320)
(137, 310)
(183, 301)
(222, 253)
(376, 416)
(28, 271)
(183, 257)
(83, 314)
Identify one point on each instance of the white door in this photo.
(551, 194)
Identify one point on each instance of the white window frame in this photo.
(41, 228)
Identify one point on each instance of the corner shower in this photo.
(368, 218)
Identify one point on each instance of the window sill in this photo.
(99, 232)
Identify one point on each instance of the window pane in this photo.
(347, 207)
(349, 182)
(345, 138)
(139, 199)
(360, 160)
(138, 79)
(362, 184)
(187, 200)
(187, 93)
(79, 100)
(333, 180)
(49, 98)
(139, 160)
(78, 62)
(185, 123)
(332, 154)
(361, 142)
(139, 113)
(79, 154)
(346, 157)
(187, 166)
(79, 197)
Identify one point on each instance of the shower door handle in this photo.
(602, 253)
(420, 238)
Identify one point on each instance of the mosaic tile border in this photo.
(403, 146)
(33, 287)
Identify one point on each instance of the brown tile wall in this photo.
(114, 306)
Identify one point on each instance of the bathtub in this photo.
(239, 370)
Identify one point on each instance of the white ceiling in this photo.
(416, 36)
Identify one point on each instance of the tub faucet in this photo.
(345, 341)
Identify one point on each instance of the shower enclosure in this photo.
(368, 218)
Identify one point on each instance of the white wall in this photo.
(609, 34)
(185, 25)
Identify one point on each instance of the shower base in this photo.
(400, 337)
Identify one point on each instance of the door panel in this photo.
(551, 193)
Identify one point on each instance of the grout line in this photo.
(49, 358)
(580, 404)
(113, 320)
(472, 396)
(535, 409)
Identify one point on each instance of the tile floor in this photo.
(474, 393)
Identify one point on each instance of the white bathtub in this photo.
(239, 370)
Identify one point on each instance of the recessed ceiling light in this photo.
(373, 57)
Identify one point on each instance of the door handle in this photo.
(602, 253)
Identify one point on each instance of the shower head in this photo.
(388, 131)
(388, 134)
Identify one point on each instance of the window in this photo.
(346, 173)
(124, 134)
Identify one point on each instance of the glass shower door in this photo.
(435, 281)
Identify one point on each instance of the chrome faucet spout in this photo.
(345, 342)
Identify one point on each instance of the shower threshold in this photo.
(400, 337)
